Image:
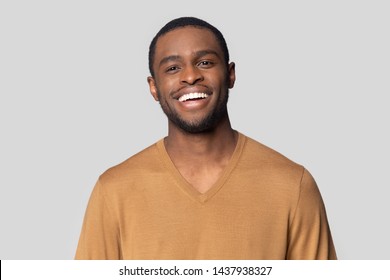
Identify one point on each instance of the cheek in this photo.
(166, 85)
(219, 77)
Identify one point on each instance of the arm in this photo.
(100, 238)
(309, 234)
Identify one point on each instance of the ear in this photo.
(152, 87)
(231, 74)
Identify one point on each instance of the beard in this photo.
(206, 124)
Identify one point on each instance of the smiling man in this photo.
(205, 191)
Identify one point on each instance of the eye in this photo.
(205, 64)
(172, 69)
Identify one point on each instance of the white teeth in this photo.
(192, 95)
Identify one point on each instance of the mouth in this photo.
(193, 96)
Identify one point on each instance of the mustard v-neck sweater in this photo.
(264, 206)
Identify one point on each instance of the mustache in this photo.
(188, 87)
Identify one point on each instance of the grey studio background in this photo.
(312, 83)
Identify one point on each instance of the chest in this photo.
(227, 226)
(201, 179)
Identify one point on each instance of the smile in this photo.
(193, 96)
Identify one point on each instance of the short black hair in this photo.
(183, 22)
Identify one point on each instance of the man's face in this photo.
(192, 79)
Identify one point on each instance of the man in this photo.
(205, 191)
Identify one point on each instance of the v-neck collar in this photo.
(184, 185)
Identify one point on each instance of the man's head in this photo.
(191, 75)
(183, 22)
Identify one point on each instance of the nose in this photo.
(191, 75)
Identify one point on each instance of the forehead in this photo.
(187, 40)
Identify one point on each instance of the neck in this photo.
(213, 146)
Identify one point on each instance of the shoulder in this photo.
(264, 164)
(279, 175)
(258, 153)
(144, 162)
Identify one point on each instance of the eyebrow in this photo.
(169, 58)
(197, 54)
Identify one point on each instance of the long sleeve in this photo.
(100, 238)
(309, 234)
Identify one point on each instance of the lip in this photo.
(195, 104)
